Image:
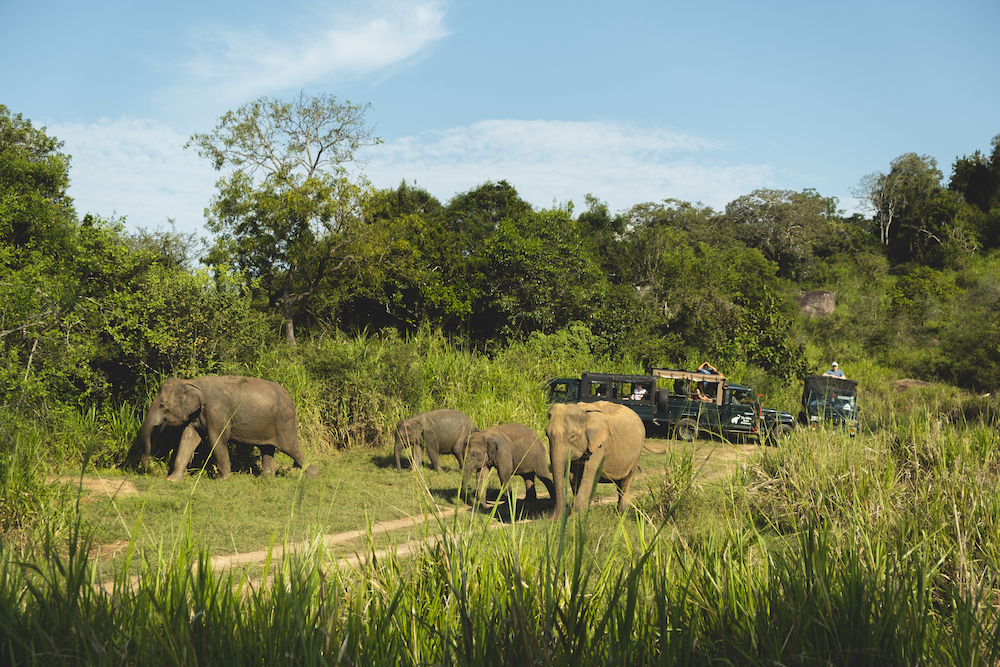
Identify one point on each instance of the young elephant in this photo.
(594, 435)
(221, 408)
(512, 449)
(440, 431)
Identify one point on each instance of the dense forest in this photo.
(93, 314)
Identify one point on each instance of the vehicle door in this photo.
(740, 410)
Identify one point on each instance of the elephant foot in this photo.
(175, 477)
(312, 471)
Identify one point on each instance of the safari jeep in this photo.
(665, 402)
(830, 400)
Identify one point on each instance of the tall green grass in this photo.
(481, 597)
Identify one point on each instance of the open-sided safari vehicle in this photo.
(830, 400)
(665, 399)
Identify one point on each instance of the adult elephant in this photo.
(220, 408)
(592, 437)
(438, 431)
(513, 449)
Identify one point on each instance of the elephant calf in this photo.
(221, 408)
(513, 449)
(594, 434)
(439, 431)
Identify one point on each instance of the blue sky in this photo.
(631, 101)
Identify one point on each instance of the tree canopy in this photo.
(287, 215)
(89, 310)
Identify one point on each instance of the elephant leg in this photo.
(219, 442)
(267, 466)
(581, 501)
(288, 442)
(623, 493)
(530, 494)
(549, 485)
(416, 456)
(190, 440)
(506, 488)
(432, 454)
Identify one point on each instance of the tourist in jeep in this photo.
(698, 396)
(835, 372)
(708, 369)
(681, 390)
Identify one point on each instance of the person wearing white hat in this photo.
(834, 372)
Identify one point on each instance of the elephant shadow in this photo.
(244, 459)
(384, 461)
(504, 512)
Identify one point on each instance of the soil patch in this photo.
(99, 487)
(903, 385)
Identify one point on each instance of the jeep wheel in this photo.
(780, 434)
(687, 430)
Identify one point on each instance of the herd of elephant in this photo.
(598, 441)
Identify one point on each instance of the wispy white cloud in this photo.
(136, 168)
(328, 44)
(561, 160)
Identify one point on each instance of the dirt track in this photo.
(710, 461)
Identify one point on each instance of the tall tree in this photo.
(977, 178)
(287, 214)
(782, 224)
(888, 197)
(475, 214)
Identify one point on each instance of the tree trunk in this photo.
(286, 302)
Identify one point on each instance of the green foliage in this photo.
(303, 219)
(474, 215)
(522, 595)
(29, 504)
(782, 224)
(921, 292)
(186, 324)
(533, 274)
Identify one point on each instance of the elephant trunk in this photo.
(467, 472)
(558, 455)
(151, 421)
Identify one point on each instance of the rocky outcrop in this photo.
(819, 303)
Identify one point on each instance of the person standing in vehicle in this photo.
(834, 372)
(708, 388)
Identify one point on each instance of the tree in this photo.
(977, 178)
(888, 197)
(287, 214)
(782, 224)
(475, 214)
(533, 273)
(419, 276)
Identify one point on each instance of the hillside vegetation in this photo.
(369, 305)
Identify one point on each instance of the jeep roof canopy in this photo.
(692, 376)
(825, 384)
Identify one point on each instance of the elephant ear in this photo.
(598, 430)
(192, 400)
(498, 448)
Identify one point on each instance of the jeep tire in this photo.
(780, 434)
(687, 430)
